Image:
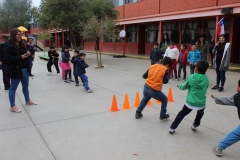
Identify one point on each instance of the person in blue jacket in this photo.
(81, 66)
(193, 56)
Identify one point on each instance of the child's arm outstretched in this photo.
(183, 86)
(224, 100)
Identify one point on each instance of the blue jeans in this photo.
(148, 94)
(192, 68)
(14, 85)
(220, 76)
(85, 81)
(230, 139)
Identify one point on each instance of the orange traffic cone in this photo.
(149, 103)
(158, 102)
(114, 107)
(170, 95)
(126, 104)
(137, 100)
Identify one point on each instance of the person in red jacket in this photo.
(182, 61)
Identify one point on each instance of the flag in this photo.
(220, 27)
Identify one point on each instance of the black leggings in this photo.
(68, 72)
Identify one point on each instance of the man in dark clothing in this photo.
(3, 66)
(31, 49)
(53, 60)
(155, 54)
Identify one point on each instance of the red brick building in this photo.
(145, 21)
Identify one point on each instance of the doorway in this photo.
(235, 58)
(141, 39)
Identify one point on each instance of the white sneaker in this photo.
(194, 127)
(58, 74)
(171, 130)
(49, 73)
(90, 91)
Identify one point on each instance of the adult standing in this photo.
(30, 47)
(221, 61)
(203, 47)
(155, 55)
(17, 56)
(164, 44)
(3, 66)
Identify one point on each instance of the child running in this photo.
(81, 65)
(66, 65)
(233, 136)
(53, 59)
(197, 85)
(75, 56)
(156, 76)
(182, 60)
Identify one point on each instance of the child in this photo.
(197, 85)
(53, 59)
(233, 136)
(66, 65)
(193, 56)
(155, 54)
(173, 53)
(81, 65)
(182, 60)
(76, 54)
(156, 76)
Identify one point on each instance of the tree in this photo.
(98, 29)
(45, 36)
(66, 14)
(15, 13)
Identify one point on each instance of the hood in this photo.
(77, 59)
(199, 80)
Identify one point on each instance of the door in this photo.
(141, 39)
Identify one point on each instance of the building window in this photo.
(209, 30)
(118, 2)
(152, 33)
(131, 34)
(172, 30)
(191, 30)
(130, 1)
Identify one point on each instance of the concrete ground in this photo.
(70, 124)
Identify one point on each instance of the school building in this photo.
(145, 21)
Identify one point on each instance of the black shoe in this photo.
(138, 115)
(215, 87)
(166, 116)
(77, 85)
(221, 89)
(31, 75)
(7, 88)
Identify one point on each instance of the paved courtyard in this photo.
(70, 124)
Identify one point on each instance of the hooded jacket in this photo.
(80, 66)
(197, 85)
(184, 57)
(232, 101)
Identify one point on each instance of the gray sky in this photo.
(36, 3)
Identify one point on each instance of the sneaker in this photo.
(66, 81)
(194, 127)
(58, 74)
(49, 73)
(217, 151)
(215, 87)
(177, 79)
(77, 84)
(183, 79)
(90, 91)
(7, 88)
(221, 89)
(165, 117)
(70, 80)
(171, 130)
(138, 115)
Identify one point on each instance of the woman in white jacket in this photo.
(173, 53)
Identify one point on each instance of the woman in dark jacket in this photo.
(164, 44)
(17, 58)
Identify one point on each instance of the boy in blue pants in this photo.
(81, 65)
(233, 136)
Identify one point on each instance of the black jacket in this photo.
(13, 57)
(155, 55)
(65, 57)
(74, 62)
(53, 54)
(80, 66)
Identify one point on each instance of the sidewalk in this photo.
(70, 124)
